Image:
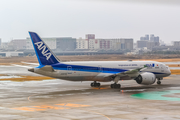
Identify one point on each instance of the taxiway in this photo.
(59, 99)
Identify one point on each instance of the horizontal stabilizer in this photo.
(47, 68)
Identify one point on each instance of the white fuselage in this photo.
(102, 70)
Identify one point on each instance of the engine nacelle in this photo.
(146, 78)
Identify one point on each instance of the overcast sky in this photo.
(104, 18)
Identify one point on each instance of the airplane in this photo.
(143, 72)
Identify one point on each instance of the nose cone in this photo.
(31, 69)
(169, 72)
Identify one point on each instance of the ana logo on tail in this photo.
(42, 47)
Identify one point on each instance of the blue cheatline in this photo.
(157, 95)
(62, 66)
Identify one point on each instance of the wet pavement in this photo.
(64, 100)
(174, 68)
(171, 63)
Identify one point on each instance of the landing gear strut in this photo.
(158, 81)
(95, 84)
(116, 86)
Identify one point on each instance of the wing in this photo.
(132, 72)
(128, 74)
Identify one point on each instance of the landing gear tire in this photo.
(112, 85)
(94, 84)
(158, 82)
(116, 86)
(98, 84)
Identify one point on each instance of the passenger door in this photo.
(100, 68)
(69, 70)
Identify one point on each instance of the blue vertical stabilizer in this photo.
(44, 54)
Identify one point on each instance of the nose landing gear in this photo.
(158, 80)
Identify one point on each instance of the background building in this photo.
(176, 43)
(148, 42)
(88, 37)
(145, 38)
(4, 45)
(105, 44)
(81, 43)
(17, 44)
(51, 42)
(153, 38)
(126, 44)
(66, 44)
(142, 43)
(71, 46)
(116, 44)
(61, 44)
(93, 44)
(111, 44)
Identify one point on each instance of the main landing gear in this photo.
(158, 81)
(116, 86)
(95, 84)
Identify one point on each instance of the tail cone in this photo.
(31, 69)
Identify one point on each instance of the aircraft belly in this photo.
(69, 75)
(81, 76)
(74, 75)
(160, 75)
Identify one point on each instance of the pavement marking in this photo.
(64, 106)
(100, 88)
(96, 113)
(72, 105)
(100, 114)
(51, 107)
(157, 95)
(30, 97)
(28, 109)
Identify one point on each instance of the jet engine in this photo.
(146, 78)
